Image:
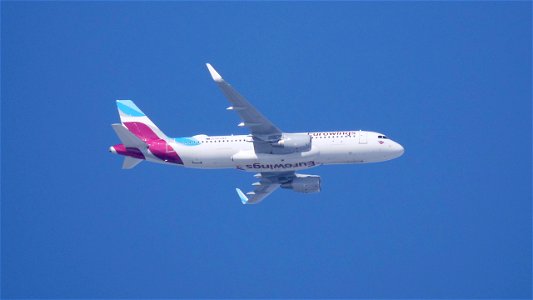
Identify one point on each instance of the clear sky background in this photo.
(450, 81)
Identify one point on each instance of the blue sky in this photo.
(450, 81)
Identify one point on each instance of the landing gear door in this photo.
(362, 137)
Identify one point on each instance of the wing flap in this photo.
(270, 181)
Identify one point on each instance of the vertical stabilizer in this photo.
(137, 122)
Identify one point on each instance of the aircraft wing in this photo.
(258, 194)
(262, 129)
(270, 181)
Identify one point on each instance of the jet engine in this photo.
(294, 142)
(304, 184)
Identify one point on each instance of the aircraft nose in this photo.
(398, 149)
(112, 150)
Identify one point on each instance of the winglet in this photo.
(243, 197)
(214, 73)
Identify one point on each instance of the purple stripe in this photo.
(164, 151)
(133, 152)
(159, 147)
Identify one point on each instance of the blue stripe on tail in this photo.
(129, 108)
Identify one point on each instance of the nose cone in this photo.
(397, 150)
(112, 150)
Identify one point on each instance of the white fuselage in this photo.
(237, 151)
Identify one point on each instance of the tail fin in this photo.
(137, 122)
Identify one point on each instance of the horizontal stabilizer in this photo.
(130, 162)
(127, 138)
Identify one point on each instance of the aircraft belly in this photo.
(276, 167)
(342, 154)
(263, 162)
(350, 154)
(208, 158)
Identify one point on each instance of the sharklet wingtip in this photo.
(214, 74)
(243, 197)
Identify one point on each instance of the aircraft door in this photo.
(169, 149)
(362, 137)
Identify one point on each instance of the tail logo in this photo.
(129, 108)
(142, 132)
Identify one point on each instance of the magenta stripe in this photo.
(159, 147)
(141, 130)
(164, 151)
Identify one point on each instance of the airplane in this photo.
(273, 154)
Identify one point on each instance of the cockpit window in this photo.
(382, 137)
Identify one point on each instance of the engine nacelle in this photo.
(294, 142)
(304, 184)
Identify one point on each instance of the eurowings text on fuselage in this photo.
(273, 154)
